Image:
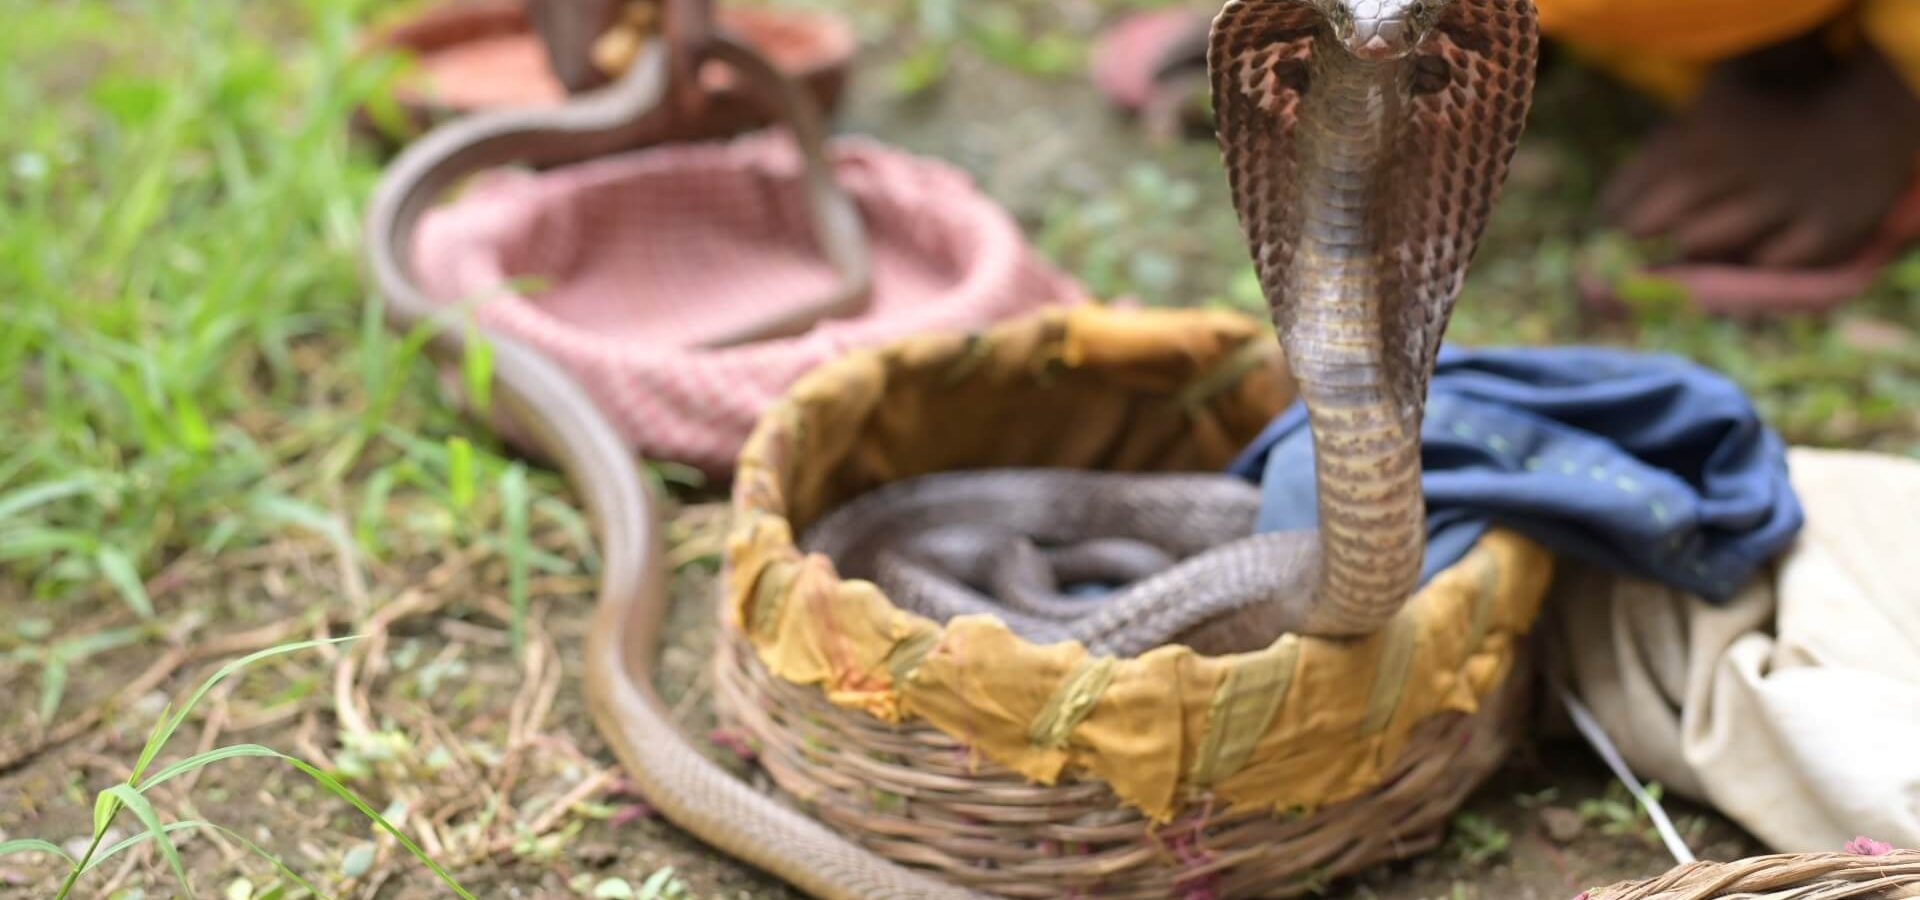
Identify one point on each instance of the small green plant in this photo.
(56, 658)
(131, 796)
(1617, 814)
(1146, 237)
(1537, 799)
(1009, 36)
(1477, 839)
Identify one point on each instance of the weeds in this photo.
(1001, 33)
(191, 365)
(1617, 814)
(1476, 839)
(131, 796)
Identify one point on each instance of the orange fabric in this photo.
(1664, 47)
(1894, 27)
(1687, 30)
(1304, 723)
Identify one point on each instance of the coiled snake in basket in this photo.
(1365, 141)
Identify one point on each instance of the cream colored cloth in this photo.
(1795, 709)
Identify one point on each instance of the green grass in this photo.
(192, 367)
(131, 796)
(191, 363)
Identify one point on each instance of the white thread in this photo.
(1589, 728)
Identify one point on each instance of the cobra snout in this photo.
(1388, 37)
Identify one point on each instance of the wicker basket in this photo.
(647, 257)
(1799, 876)
(1033, 771)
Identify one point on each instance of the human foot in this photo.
(1790, 157)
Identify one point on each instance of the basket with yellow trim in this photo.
(1042, 771)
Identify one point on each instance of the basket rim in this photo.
(914, 794)
(530, 203)
(1845, 874)
(1303, 723)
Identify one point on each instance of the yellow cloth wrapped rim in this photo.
(1304, 723)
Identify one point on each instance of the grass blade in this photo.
(255, 849)
(128, 843)
(105, 807)
(513, 503)
(373, 511)
(168, 725)
(26, 498)
(86, 646)
(201, 760)
(191, 423)
(53, 687)
(132, 799)
(460, 486)
(476, 370)
(24, 543)
(337, 789)
(31, 845)
(58, 661)
(289, 511)
(119, 572)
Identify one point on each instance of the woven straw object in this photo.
(621, 268)
(1041, 771)
(1792, 876)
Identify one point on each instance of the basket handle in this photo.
(609, 119)
(838, 231)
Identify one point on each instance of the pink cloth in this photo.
(639, 256)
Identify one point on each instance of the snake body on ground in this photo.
(1364, 140)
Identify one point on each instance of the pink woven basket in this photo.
(635, 260)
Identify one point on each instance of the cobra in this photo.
(1364, 140)
(1365, 143)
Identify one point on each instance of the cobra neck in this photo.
(1332, 324)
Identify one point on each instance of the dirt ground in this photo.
(440, 725)
(1549, 825)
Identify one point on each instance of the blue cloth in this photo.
(1645, 464)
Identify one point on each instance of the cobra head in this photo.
(1381, 29)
